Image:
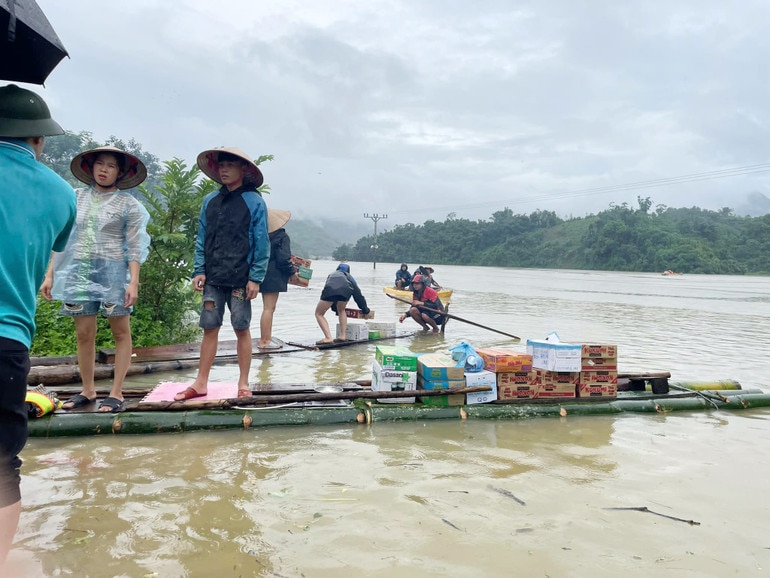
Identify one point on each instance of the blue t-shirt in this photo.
(37, 210)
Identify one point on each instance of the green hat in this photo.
(24, 114)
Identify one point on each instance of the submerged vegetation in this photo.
(620, 238)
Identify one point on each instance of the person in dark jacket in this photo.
(338, 289)
(231, 254)
(280, 269)
(403, 277)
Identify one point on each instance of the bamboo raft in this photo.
(357, 405)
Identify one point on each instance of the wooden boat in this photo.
(444, 294)
(355, 404)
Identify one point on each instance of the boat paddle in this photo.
(458, 318)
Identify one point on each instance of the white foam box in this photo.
(481, 378)
(439, 366)
(384, 379)
(379, 330)
(354, 331)
(538, 349)
(564, 357)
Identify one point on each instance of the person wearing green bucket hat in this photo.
(37, 212)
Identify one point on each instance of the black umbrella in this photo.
(29, 47)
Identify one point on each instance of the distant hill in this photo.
(315, 239)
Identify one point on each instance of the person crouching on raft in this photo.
(426, 306)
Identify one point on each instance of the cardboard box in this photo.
(591, 363)
(304, 272)
(555, 356)
(440, 400)
(516, 391)
(384, 379)
(564, 357)
(599, 377)
(439, 366)
(516, 378)
(356, 313)
(481, 378)
(354, 331)
(598, 350)
(395, 357)
(539, 352)
(498, 359)
(597, 390)
(546, 377)
(555, 390)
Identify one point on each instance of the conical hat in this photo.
(208, 159)
(133, 175)
(277, 218)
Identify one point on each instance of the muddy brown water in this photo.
(440, 498)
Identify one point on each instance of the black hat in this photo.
(24, 114)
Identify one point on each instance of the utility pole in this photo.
(375, 217)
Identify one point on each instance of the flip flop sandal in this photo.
(340, 340)
(77, 401)
(323, 342)
(188, 393)
(116, 405)
(244, 393)
(271, 347)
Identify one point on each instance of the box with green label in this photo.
(395, 357)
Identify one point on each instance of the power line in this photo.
(688, 178)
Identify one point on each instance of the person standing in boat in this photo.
(231, 254)
(99, 268)
(426, 306)
(340, 286)
(37, 214)
(280, 270)
(403, 277)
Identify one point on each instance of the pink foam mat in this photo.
(166, 391)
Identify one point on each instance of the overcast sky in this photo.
(422, 109)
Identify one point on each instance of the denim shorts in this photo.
(78, 308)
(234, 298)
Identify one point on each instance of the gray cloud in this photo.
(423, 109)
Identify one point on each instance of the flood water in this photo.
(423, 498)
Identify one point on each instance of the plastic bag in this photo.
(466, 356)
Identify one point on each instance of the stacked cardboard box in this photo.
(304, 272)
(394, 369)
(556, 384)
(440, 371)
(354, 331)
(598, 371)
(513, 372)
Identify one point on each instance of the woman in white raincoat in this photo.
(99, 269)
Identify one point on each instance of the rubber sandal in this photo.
(244, 393)
(116, 405)
(77, 401)
(340, 340)
(271, 347)
(188, 393)
(323, 342)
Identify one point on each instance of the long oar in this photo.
(452, 316)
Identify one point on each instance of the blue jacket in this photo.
(232, 247)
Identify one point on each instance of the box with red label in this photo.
(598, 350)
(516, 391)
(516, 378)
(555, 390)
(600, 376)
(498, 359)
(557, 377)
(589, 363)
(597, 390)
